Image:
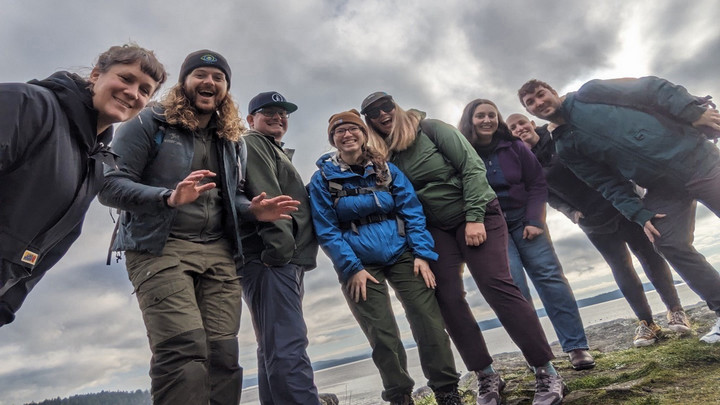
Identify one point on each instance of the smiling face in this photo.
(523, 128)
(349, 140)
(206, 88)
(120, 93)
(484, 122)
(381, 115)
(543, 103)
(271, 121)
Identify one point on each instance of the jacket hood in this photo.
(75, 99)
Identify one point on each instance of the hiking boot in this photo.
(489, 388)
(549, 389)
(714, 335)
(581, 359)
(678, 322)
(404, 399)
(646, 335)
(448, 397)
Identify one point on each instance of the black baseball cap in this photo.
(373, 98)
(270, 99)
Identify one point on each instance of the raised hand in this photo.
(272, 209)
(190, 188)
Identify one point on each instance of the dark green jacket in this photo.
(447, 174)
(269, 169)
(606, 142)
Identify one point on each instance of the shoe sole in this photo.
(586, 366)
(644, 343)
(711, 339)
(679, 328)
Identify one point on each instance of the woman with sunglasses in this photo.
(517, 178)
(53, 137)
(370, 223)
(466, 222)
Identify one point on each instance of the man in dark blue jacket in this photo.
(652, 132)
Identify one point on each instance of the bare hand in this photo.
(530, 232)
(475, 233)
(422, 267)
(710, 118)
(650, 230)
(272, 209)
(577, 216)
(190, 188)
(356, 285)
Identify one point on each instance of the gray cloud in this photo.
(81, 329)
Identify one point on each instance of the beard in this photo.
(201, 109)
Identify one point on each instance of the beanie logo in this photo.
(277, 97)
(208, 58)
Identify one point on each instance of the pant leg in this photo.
(676, 244)
(377, 321)
(518, 272)
(450, 293)
(423, 314)
(165, 289)
(613, 249)
(15, 285)
(488, 264)
(219, 297)
(653, 264)
(274, 296)
(543, 268)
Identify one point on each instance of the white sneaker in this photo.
(714, 335)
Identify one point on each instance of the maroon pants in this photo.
(488, 264)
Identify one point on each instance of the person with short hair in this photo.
(467, 225)
(654, 133)
(53, 141)
(370, 223)
(179, 183)
(610, 233)
(277, 255)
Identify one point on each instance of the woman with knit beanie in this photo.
(370, 223)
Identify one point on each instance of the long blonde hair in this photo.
(178, 111)
(402, 133)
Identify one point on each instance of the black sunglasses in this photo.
(374, 112)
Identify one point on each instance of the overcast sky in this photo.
(81, 330)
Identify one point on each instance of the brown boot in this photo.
(581, 359)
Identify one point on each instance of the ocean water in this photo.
(359, 383)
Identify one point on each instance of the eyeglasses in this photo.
(374, 112)
(341, 131)
(271, 113)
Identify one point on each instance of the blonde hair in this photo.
(402, 133)
(178, 111)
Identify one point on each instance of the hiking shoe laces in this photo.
(549, 389)
(678, 321)
(714, 335)
(489, 388)
(645, 334)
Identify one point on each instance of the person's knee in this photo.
(187, 352)
(224, 354)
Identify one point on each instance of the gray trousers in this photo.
(190, 298)
(678, 227)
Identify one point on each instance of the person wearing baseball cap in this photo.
(370, 223)
(179, 181)
(277, 255)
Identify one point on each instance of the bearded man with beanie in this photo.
(276, 257)
(179, 183)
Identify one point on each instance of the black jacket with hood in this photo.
(50, 170)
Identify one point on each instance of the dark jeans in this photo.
(190, 298)
(488, 264)
(376, 319)
(614, 249)
(677, 228)
(274, 296)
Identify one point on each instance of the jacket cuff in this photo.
(643, 216)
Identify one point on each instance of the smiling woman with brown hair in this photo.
(53, 137)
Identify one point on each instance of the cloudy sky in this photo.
(81, 331)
